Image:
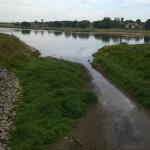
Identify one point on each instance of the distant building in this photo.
(131, 25)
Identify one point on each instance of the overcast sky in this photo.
(50, 10)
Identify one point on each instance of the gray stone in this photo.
(9, 124)
(9, 92)
(1, 111)
(2, 136)
(3, 122)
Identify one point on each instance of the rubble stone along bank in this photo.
(9, 92)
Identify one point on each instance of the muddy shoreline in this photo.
(87, 134)
(119, 87)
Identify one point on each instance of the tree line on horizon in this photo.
(105, 23)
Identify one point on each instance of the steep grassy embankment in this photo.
(53, 97)
(128, 65)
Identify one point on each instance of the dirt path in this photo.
(87, 134)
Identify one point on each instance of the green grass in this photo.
(53, 95)
(129, 65)
(7, 25)
(107, 31)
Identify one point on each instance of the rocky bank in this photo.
(9, 93)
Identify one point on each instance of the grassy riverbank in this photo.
(94, 30)
(86, 30)
(128, 65)
(55, 94)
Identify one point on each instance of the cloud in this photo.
(30, 10)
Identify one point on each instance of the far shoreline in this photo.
(115, 31)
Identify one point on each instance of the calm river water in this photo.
(127, 122)
(70, 46)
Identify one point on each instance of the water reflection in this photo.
(138, 38)
(83, 36)
(77, 47)
(146, 39)
(57, 33)
(67, 34)
(42, 32)
(129, 38)
(49, 32)
(117, 38)
(24, 32)
(17, 30)
(74, 35)
(105, 38)
(36, 31)
(77, 35)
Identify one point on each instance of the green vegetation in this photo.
(88, 30)
(25, 24)
(53, 97)
(129, 65)
(147, 24)
(105, 23)
(78, 29)
(7, 25)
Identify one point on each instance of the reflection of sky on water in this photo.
(77, 47)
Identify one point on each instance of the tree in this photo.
(84, 24)
(147, 24)
(25, 24)
(17, 24)
(75, 23)
(106, 23)
(35, 22)
(117, 19)
(122, 19)
(66, 23)
(129, 21)
(138, 21)
(106, 19)
(42, 20)
(58, 24)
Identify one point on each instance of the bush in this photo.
(25, 24)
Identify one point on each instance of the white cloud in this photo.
(30, 10)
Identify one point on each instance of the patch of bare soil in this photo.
(88, 134)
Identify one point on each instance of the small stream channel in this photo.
(128, 123)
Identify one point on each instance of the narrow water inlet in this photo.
(127, 122)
